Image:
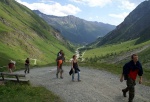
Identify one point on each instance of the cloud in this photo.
(93, 3)
(52, 9)
(125, 4)
(120, 16)
(45, 1)
(90, 18)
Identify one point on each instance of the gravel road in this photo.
(95, 85)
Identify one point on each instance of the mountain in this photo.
(24, 34)
(77, 30)
(135, 26)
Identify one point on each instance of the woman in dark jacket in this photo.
(75, 68)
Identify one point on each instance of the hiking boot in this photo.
(61, 77)
(79, 80)
(130, 101)
(124, 94)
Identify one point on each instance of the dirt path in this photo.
(95, 85)
(127, 54)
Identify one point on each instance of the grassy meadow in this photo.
(114, 49)
(100, 58)
(27, 35)
(45, 54)
(18, 92)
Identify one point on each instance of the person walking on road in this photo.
(60, 60)
(59, 53)
(75, 67)
(130, 72)
(27, 65)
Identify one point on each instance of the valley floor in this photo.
(95, 85)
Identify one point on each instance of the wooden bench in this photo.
(13, 77)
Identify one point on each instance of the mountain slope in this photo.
(135, 25)
(24, 34)
(75, 29)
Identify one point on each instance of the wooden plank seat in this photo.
(13, 77)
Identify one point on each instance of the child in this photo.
(11, 66)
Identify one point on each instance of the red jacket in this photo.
(11, 65)
(132, 70)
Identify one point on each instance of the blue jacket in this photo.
(131, 66)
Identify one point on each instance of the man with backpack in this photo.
(60, 60)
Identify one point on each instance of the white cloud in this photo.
(97, 16)
(93, 3)
(120, 16)
(46, 1)
(125, 4)
(90, 18)
(52, 9)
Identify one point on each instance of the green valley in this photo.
(112, 57)
(24, 34)
(113, 50)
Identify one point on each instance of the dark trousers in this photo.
(27, 68)
(130, 87)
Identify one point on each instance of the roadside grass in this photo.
(113, 49)
(45, 53)
(97, 58)
(113, 68)
(18, 92)
(116, 69)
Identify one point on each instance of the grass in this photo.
(18, 92)
(27, 35)
(113, 49)
(98, 57)
(117, 69)
(113, 68)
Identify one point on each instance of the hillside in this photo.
(77, 30)
(24, 34)
(135, 25)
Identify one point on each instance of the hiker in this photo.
(130, 72)
(11, 66)
(75, 68)
(59, 53)
(60, 60)
(27, 65)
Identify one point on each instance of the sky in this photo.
(106, 11)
